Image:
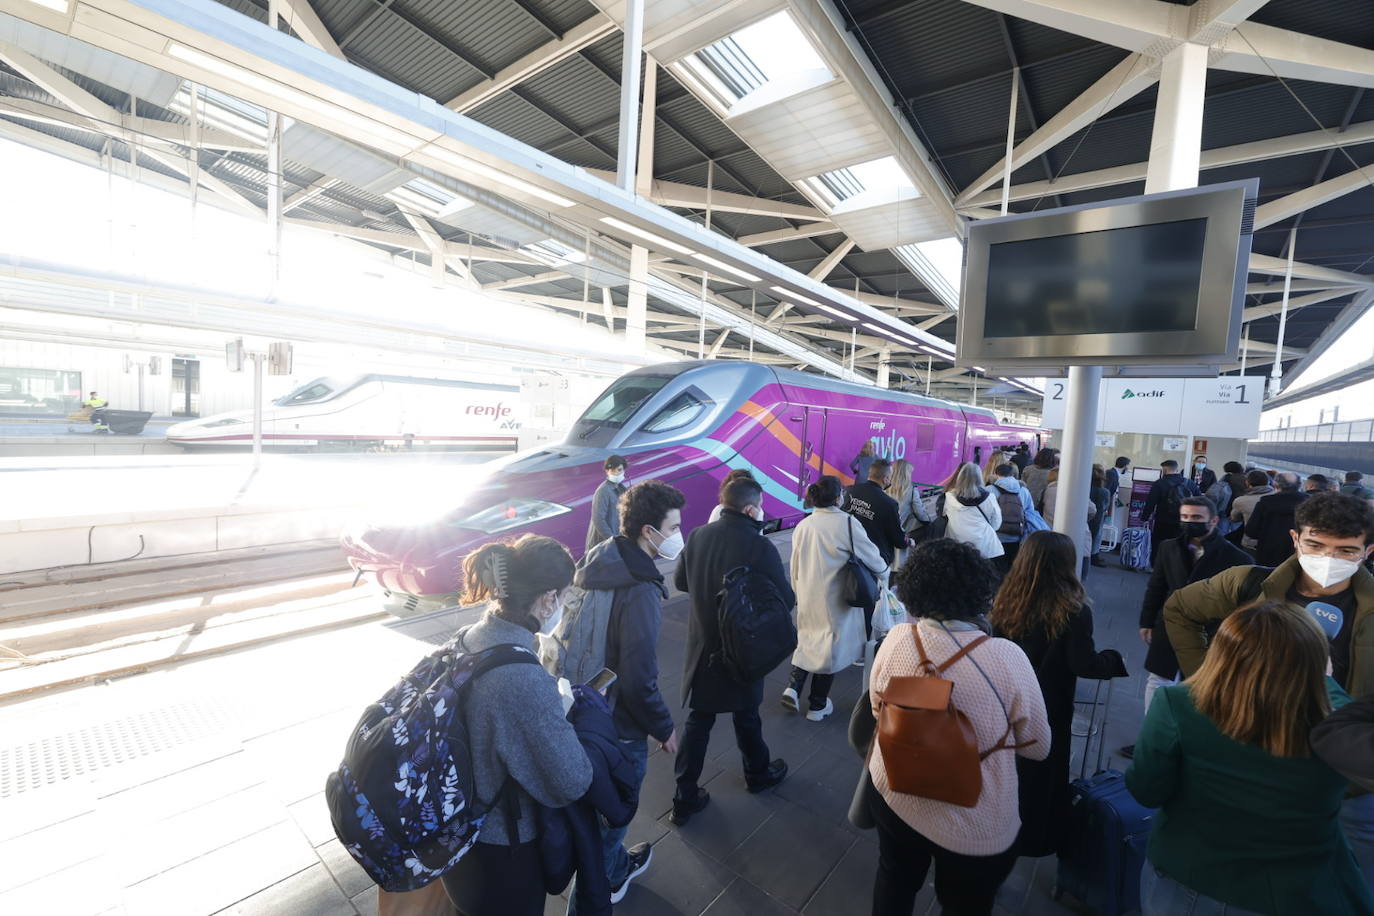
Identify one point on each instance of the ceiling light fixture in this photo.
(657, 241)
(500, 177)
(58, 5)
(744, 275)
(791, 295)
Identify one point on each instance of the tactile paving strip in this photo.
(30, 766)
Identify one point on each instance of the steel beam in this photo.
(584, 34)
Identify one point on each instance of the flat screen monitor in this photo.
(1152, 280)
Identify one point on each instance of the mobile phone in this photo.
(602, 681)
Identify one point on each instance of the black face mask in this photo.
(1195, 529)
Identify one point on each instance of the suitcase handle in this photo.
(1101, 732)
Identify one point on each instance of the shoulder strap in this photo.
(964, 650)
(928, 665)
(1253, 585)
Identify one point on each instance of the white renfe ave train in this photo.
(367, 411)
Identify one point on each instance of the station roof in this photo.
(547, 73)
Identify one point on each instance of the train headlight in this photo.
(513, 513)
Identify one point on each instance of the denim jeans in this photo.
(1357, 820)
(613, 850)
(1161, 895)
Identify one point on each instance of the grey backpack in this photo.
(577, 648)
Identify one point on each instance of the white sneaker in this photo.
(789, 699)
(816, 715)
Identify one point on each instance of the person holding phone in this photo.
(650, 526)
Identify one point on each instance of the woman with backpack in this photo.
(830, 633)
(972, 510)
(1042, 607)
(1249, 818)
(524, 751)
(948, 587)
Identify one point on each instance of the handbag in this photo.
(859, 583)
(929, 747)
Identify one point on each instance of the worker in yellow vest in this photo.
(95, 402)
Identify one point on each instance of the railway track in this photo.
(70, 626)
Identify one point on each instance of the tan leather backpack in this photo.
(929, 747)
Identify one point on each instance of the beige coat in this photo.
(830, 634)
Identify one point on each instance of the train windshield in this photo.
(319, 390)
(618, 403)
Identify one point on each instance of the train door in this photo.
(813, 448)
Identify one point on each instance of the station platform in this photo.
(197, 789)
(67, 510)
(42, 435)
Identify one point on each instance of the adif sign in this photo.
(1221, 407)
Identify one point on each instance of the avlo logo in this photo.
(1128, 393)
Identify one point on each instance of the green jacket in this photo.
(1238, 824)
(1192, 607)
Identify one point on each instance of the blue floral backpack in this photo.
(402, 801)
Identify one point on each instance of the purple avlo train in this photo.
(687, 424)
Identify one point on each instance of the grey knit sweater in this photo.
(516, 728)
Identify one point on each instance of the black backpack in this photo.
(755, 624)
(1175, 495)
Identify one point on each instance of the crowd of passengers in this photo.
(1257, 746)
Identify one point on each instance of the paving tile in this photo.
(307, 893)
(84, 889)
(344, 868)
(743, 899)
(182, 791)
(849, 886)
(733, 816)
(656, 795)
(682, 880)
(824, 785)
(38, 808)
(791, 854)
(312, 816)
(224, 877)
(366, 902)
(152, 848)
(52, 849)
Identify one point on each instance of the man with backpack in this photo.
(1166, 498)
(1272, 520)
(710, 686)
(612, 621)
(1015, 502)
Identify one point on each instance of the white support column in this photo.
(638, 158)
(885, 367)
(1175, 152)
(257, 359)
(1276, 374)
(273, 181)
(633, 51)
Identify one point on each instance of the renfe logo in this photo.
(1128, 393)
(481, 410)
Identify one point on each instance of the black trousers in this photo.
(498, 881)
(696, 735)
(964, 885)
(820, 685)
(1162, 532)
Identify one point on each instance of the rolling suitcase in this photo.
(1135, 548)
(1104, 847)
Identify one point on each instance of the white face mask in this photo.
(670, 547)
(548, 626)
(1328, 571)
(616, 477)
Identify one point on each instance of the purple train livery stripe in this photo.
(687, 424)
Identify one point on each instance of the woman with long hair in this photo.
(1248, 817)
(862, 461)
(830, 633)
(1042, 608)
(947, 586)
(972, 510)
(1037, 476)
(911, 510)
(524, 751)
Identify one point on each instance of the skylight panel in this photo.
(768, 54)
(938, 264)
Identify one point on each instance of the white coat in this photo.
(976, 525)
(830, 634)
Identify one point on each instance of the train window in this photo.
(317, 390)
(678, 412)
(619, 402)
(925, 437)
